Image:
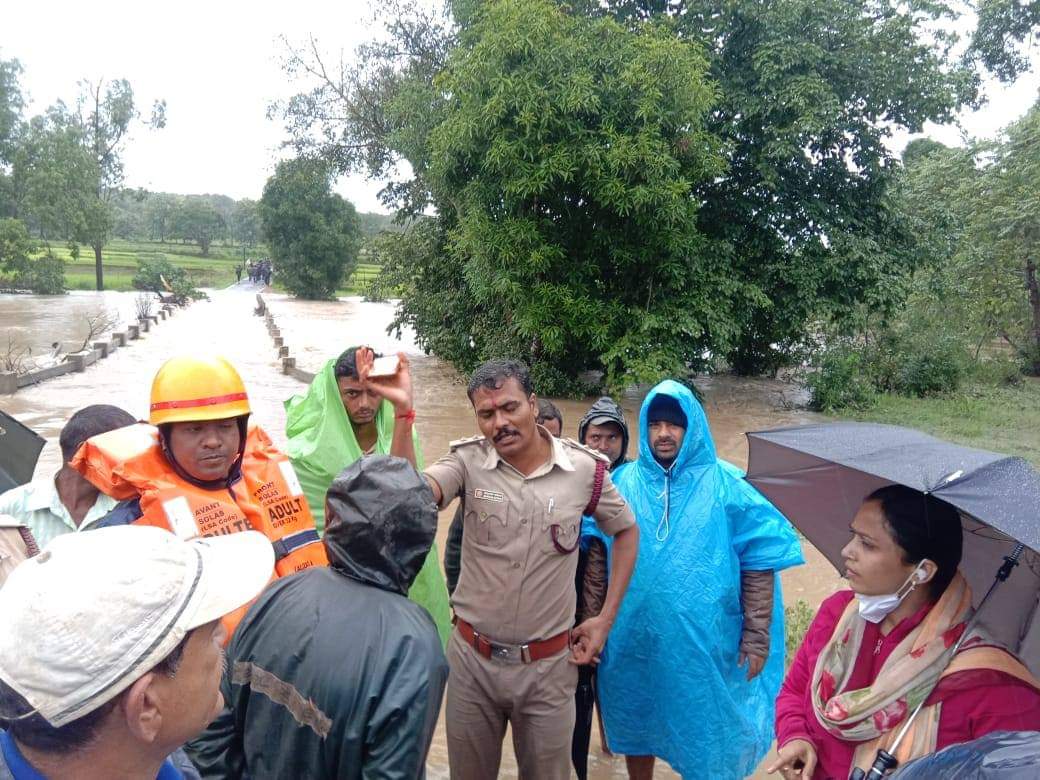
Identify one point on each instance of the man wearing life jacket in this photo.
(199, 469)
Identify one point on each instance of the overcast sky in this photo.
(217, 65)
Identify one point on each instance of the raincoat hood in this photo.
(698, 448)
(381, 522)
(322, 440)
(700, 525)
(606, 407)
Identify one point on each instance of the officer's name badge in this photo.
(489, 495)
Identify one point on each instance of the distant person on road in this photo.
(238, 272)
(110, 653)
(334, 673)
(339, 420)
(696, 657)
(66, 502)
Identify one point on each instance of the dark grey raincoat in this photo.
(334, 673)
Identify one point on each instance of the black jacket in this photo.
(334, 673)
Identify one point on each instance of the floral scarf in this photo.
(906, 678)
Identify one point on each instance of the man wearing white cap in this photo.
(111, 649)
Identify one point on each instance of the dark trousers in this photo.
(584, 698)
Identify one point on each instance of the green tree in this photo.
(313, 233)
(1005, 30)
(160, 209)
(18, 259)
(810, 91)
(798, 219)
(245, 222)
(11, 105)
(570, 151)
(106, 112)
(1003, 235)
(197, 219)
(52, 174)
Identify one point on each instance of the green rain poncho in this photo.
(322, 444)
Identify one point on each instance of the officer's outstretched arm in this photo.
(438, 496)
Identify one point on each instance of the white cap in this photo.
(95, 611)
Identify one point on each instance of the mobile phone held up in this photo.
(385, 366)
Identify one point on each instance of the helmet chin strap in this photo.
(234, 473)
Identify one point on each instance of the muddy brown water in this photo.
(315, 332)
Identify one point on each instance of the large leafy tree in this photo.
(313, 234)
(797, 221)
(197, 219)
(52, 176)
(973, 212)
(245, 222)
(570, 151)
(106, 112)
(810, 90)
(11, 105)
(1003, 235)
(1002, 39)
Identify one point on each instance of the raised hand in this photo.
(396, 389)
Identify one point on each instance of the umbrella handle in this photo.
(884, 763)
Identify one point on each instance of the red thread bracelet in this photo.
(409, 416)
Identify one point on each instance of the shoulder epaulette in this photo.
(465, 442)
(587, 450)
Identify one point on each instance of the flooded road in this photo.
(35, 321)
(315, 332)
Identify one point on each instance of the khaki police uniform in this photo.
(516, 587)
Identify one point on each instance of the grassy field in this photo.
(120, 259)
(1003, 419)
(215, 271)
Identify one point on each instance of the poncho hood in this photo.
(698, 448)
(382, 520)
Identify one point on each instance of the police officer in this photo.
(513, 654)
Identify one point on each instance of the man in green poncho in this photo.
(339, 420)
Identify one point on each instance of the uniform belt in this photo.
(293, 542)
(526, 653)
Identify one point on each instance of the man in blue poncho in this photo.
(696, 656)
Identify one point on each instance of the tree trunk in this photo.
(98, 271)
(1034, 305)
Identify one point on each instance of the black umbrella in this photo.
(19, 450)
(818, 475)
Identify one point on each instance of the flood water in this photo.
(316, 332)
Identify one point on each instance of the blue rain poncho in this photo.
(669, 684)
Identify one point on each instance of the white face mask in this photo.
(874, 609)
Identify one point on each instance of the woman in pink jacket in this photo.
(874, 652)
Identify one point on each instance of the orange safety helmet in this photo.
(191, 389)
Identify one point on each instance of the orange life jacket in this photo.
(128, 462)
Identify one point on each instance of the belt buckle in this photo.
(509, 654)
